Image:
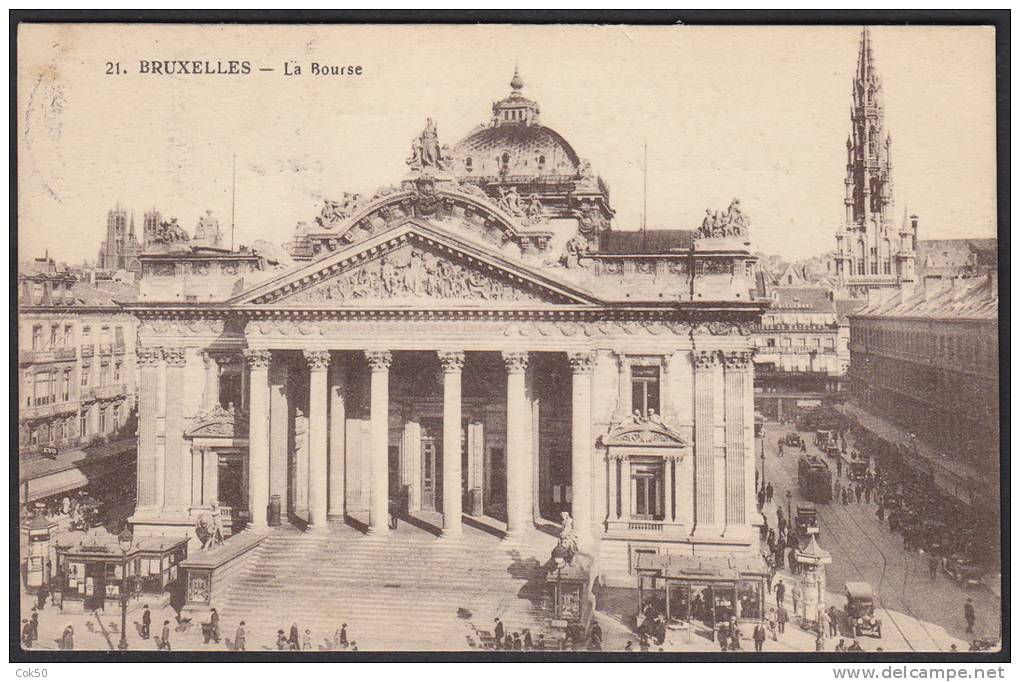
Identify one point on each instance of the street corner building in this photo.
(476, 346)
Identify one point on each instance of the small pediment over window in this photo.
(643, 431)
(220, 422)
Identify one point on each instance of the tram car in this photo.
(814, 478)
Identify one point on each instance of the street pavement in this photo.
(917, 613)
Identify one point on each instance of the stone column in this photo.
(258, 437)
(177, 470)
(337, 440)
(148, 359)
(734, 367)
(625, 485)
(210, 477)
(411, 446)
(318, 434)
(704, 438)
(517, 439)
(667, 490)
(581, 366)
(379, 362)
(623, 398)
(614, 472)
(211, 393)
(279, 433)
(453, 365)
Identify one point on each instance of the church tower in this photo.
(871, 253)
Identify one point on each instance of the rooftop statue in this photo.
(426, 151)
(732, 223)
(169, 232)
(334, 212)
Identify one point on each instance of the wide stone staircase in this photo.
(407, 591)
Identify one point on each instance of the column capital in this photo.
(257, 358)
(581, 362)
(451, 360)
(704, 359)
(175, 357)
(317, 360)
(149, 356)
(379, 360)
(737, 359)
(515, 360)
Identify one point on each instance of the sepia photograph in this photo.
(509, 342)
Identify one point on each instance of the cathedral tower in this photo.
(871, 253)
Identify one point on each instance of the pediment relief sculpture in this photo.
(414, 273)
(638, 429)
(220, 422)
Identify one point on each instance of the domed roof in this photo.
(515, 143)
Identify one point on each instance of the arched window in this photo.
(872, 147)
(541, 160)
(469, 164)
(504, 162)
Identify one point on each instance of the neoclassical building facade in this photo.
(475, 341)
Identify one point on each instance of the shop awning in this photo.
(73, 469)
(954, 477)
(709, 569)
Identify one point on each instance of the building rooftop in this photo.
(966, 299)
(955, 254)
(802, 299)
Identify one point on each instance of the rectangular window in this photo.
(102, 420)
(85, 371)
(644, 389)
(118, 335)
(66, 395)
(104, 374)
(770, 343)
(35, 437)
(86, 334)
(29, 389)
(116, 372)
(37, 337)
(68, 336)
(53, 386)
(116, 417)
(54, 333)
(42, 388)
(646, 480)
(83, 425)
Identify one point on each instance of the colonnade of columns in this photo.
(326, 438)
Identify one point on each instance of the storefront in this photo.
(685, 590)
(92, 572)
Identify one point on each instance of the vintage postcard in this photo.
(506, 338)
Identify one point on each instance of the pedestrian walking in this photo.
(933, 566)
(839, 467)
(780, 448)
(164, 637)
(67, 639)
(281, 641)
(343, 636)
(833, 624)
(772, 576)
(769, 492)
(294, 640)
(240, 636)
(795, 595)
(858, 491)
(33, 624)
(40, 596)
(759, 637)
(867, 494)
(761, 499)
(146, 622)
(781, 618)
(529, 643)
(771, 621)
(499, 631)
(780, 593)
(306, 643)
(26, 633)
(214, 627)
(969, 615)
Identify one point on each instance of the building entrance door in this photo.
(431, 465)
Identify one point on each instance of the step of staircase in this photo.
(396, 592)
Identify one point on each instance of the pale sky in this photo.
(759, 113)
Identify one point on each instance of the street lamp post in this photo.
(763, 461)
(124, 540)
(789, 506)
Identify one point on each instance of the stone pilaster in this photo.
(379, 362)
(258, 437)
(211, 390)
(453, 365)
(613, 466)
(149, 358)
(177, 469)
(581, 367)
(735, 366)
(517, 439)
(318, 439)
(705, 362)
(337, 440)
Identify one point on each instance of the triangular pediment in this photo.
(413, 264)
(641, 431)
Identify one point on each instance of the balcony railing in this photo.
(50, 409)
(105, 348)
(107, 392)
(28, 357)
(88, 350)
